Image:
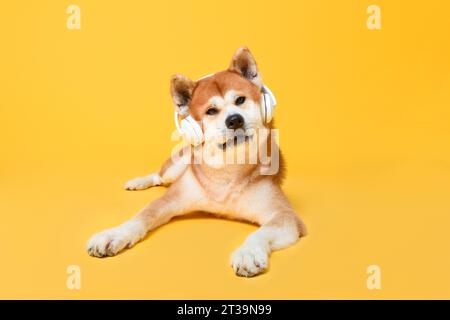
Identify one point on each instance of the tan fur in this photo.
(217, 85)
(237, 191)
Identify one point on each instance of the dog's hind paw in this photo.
(110, 242)
(248, 261)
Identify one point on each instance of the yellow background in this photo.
(364, 120)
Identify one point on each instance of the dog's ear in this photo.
(244, 64)
(181, 89)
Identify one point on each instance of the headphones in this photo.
(193, 133)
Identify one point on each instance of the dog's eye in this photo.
(212, 111)
(239, 101)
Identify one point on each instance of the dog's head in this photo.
(227, 101)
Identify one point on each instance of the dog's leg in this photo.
(174, 203)
(112, 241)
(252, 257)
(142, 183)
(169, 172)
(281, 229)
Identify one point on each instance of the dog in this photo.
(231, 100)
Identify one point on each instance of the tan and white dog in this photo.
(227, 100)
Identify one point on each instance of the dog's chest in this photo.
(226, 192)
(222, 186)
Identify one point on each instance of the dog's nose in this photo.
(235, 121)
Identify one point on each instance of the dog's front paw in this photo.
(110, 242)
(248, 261)
(142, 183)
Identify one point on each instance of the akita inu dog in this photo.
(231, 100)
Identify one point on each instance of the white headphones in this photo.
(192, 132)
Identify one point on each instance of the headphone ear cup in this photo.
(267, 108)
(268, 105)
(191, 131)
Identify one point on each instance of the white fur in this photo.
(111, 241)
(248, 261)
(142, 183)
(253, 256)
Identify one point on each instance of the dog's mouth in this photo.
(234, 141)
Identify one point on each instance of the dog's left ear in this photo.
(244, 64)
(181, 89)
